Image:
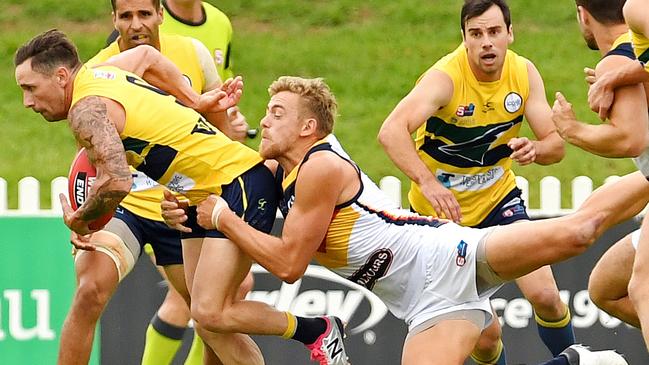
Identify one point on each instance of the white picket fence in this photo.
(549, 205)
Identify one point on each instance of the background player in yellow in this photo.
(467, 111)
(619, 283)
(212, 27)
(340, 219)
(138, 22)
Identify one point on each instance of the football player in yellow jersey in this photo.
(467, 111)
(137, 22)
(618, 283)
(334, 217)
(110, 112)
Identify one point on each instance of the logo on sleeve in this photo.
(219, 58)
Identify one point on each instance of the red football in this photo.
(82, 175)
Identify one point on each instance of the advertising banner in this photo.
(374, 336)
(36, 287)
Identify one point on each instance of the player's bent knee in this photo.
(638, 290)
(596, 290)
(546, 300)
(580, 233)
(210, 318)
(91, 297)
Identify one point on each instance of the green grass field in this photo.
(370, 53)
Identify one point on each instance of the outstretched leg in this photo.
(554, 240)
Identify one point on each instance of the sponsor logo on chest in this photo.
(470, 182)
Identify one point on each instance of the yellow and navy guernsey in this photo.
(640, 48)
(465, 143)
(215, 31)
(168, 142)
(144, 199)
(622, 47)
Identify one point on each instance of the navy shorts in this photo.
(165, 241)
(252, 196)
(509, 210)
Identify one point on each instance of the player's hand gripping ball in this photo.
(82, 175)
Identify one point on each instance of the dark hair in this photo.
(47, 51)
(156, 4)
(604, 11)
(474, 8)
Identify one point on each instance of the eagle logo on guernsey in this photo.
(513, 102)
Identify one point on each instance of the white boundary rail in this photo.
(549, 205)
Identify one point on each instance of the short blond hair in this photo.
(316, 95)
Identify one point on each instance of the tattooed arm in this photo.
(94, 122)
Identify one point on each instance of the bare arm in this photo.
(424, 100)
(146, 62)
(600, 94)
(548, 147)
(625, 134)
(90, 122)
(306, 224)
(432, 92)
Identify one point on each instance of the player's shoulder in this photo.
(612, 61)
(172, 38)
(324, 161)
(519, 60)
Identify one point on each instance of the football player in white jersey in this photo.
(433, 273)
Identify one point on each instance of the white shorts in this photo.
(450, 276)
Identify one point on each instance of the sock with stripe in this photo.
(305, 330)
(195, 355)
(498, 358)
(556, 335)
(162, 342)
